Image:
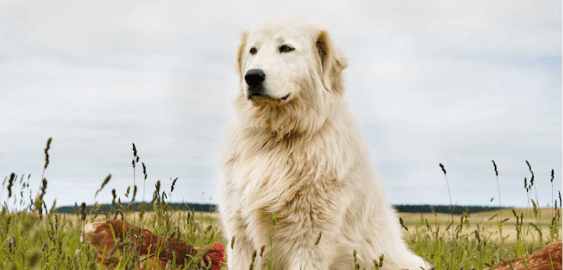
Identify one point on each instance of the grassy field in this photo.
(482, 239)
(487, 222)
(41, 238)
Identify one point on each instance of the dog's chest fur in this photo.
(270, 174)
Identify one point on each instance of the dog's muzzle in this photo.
(254, 78)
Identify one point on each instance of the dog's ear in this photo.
(332, 63)
(240, 52)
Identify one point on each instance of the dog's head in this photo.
(288, 68)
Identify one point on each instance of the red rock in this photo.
(554, 250)
(135, 239)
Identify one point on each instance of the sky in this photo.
(454, 82)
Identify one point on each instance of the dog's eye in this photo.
(253, 50)
(285, 48)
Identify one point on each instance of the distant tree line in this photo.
(402, 208)
(445, 209)
(137, 207)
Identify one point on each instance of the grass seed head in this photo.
(53, 206)
(381, 260)
(495, 165)
(274, 219)
(535, 207)
(83, 210)
(531, 178)
(134, 150)
(134, 193)
(403, 224)
(47, 152)
(173, 184)
(515, 215)
(253, 259)
(443, 169)
(104, 183)
(144, 170)
(10, 184)
(356, 264)
(114, 196)
(319, 238)
(43, 187)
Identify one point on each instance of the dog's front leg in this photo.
(296, 244)
(240, 247)
(308, 255)
(307, 235)
(239, 256)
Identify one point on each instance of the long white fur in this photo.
(304, 160)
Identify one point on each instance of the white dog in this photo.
(295, 151)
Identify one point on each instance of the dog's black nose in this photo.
(254, 77)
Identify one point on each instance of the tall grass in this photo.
(34, 236)
(476, 244)
(37, 238)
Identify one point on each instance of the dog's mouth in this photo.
(260, 96)
(256, 97)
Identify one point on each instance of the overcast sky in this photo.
(454, 82)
